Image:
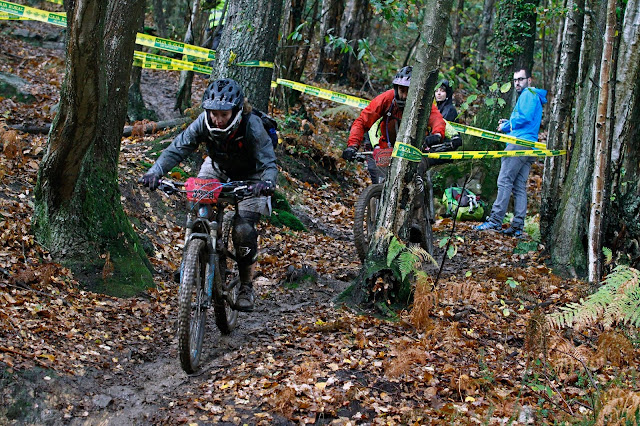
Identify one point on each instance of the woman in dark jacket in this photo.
(444, 100)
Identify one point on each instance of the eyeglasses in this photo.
(515, 80)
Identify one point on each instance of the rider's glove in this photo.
(349, 153)
(151, 180)
(431, 140)
(456, 141)
(263, 187)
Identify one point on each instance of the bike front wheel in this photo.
(192, 305)
(364, 220)
(226, 283)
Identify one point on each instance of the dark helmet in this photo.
(447, 87)
(223, 95)
(402, 78)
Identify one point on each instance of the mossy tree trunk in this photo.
(555, 168)
(566, 243)
(251, 33)
(400, 192)
(78, 214)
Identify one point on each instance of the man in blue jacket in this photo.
(524, 123)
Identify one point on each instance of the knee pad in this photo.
(245, 241)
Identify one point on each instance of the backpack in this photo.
(470, 207)
(270, 125)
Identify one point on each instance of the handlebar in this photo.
(207, 193)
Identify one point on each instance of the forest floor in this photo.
(70, 356)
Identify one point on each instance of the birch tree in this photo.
(78, 214)
(602, 150)
(555, 168)
(400, 192)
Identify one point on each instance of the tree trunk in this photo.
(561, 107)
(78, 215)
(251, 33)
(355, 26)
(515, 33)
(456, 33)
(136, 109)
(567, 242)
(294, 50)
(624, 229)
(158, 17)
(330, 20)
(400, 192)
(193, 36)
(600, 182)
(485, 30)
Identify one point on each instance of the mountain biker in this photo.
(384, 114)
(238, 148)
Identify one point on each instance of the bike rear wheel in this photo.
(192, 305)
(364, 220)
(226, 283)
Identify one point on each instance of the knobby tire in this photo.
(192, 298)
(365, 217)
(226, 280)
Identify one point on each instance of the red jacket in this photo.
(379, 107)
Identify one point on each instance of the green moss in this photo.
(281, 218)
(279, 202)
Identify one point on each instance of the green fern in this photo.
(616, 301)
(395, 247)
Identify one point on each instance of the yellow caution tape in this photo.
(36, 14)
(411, 153)
(11, 17)
(324, 94)
(362, 103)
(55, 1)
(175, 46)
(142, 39)
(175, 63)
(486, 134)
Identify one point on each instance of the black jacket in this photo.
(246, 155)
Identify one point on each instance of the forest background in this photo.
(585, 53)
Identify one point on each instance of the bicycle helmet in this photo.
(223, 95)
(402, 78)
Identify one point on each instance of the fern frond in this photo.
(407, 263)
(422, 255)
(620, 406)
(616, 301)
(395, 247)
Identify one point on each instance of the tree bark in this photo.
(136, 109)
(78, 215)
(456, 33)
(330, 20)
(599, 184)
(293, 53)
(355, 26)
(158, 16)
(566, 244)
(561, 107)
(250, 33)
(624, 228)
(192, 36)
(399, 193)
(485, 29)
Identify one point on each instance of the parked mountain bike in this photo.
(366, 209)
(208, 274)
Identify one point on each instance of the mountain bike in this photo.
(208, 275)
(366, 209)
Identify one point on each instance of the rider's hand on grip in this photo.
(430, 140)
(349, 153)
(263, 187)
(151, 180)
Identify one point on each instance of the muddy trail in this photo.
(460, 354)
